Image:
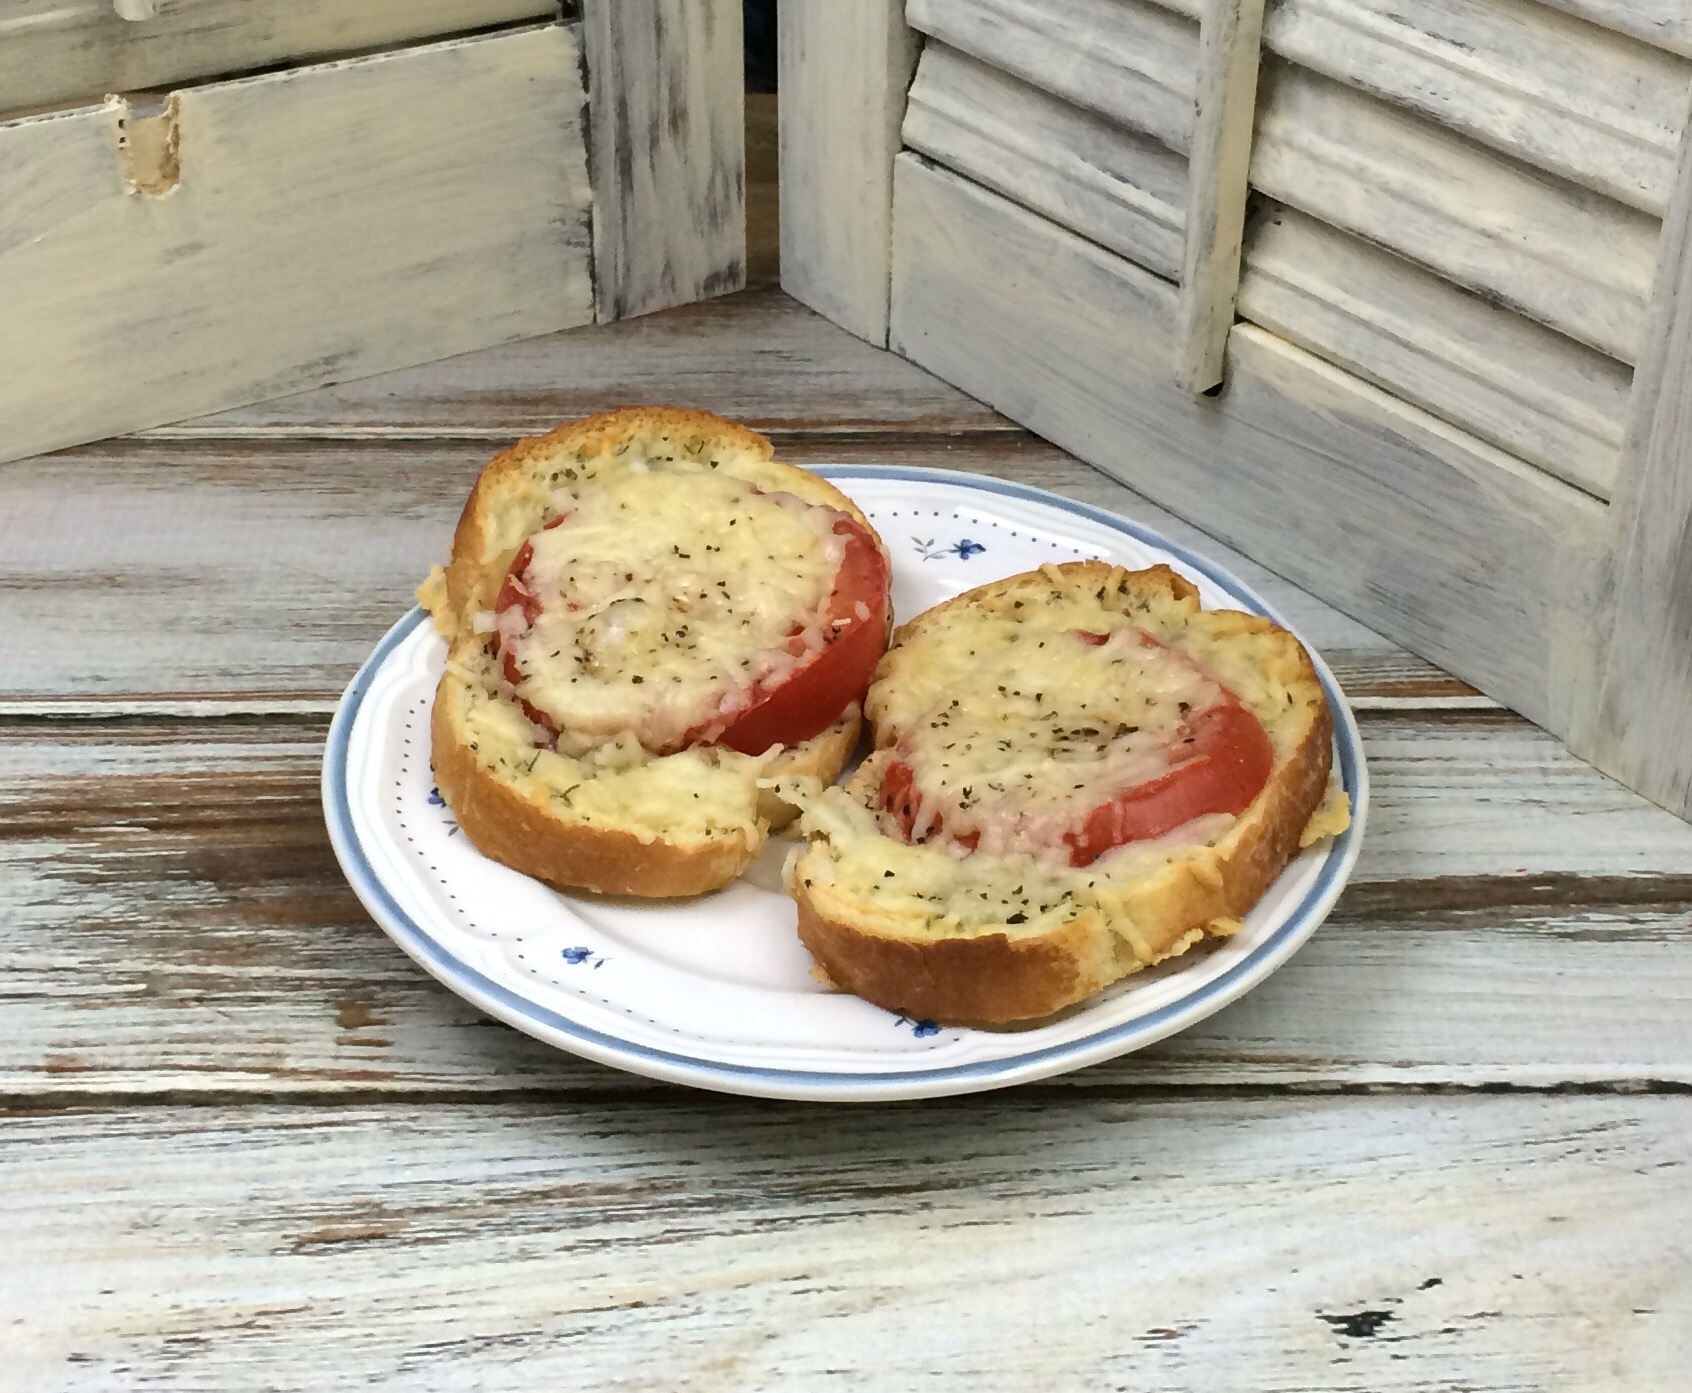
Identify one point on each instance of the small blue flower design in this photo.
(931, 549)
(920, 1029)
(576, 956)
(436, 801)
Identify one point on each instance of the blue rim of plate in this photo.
(884, 1085)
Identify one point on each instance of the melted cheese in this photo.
(1018, 726)
(694, 796)
(668, 593)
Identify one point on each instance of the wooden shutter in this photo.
(1372, 290)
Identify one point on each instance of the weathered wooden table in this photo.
(247, 1144)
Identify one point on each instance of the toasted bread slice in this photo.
(1014, 930)
(603, 813)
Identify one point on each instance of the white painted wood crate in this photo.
(1397, 298)
(399, 181)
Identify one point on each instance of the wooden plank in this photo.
(1491, 1244)
(1229, 37)
(1572, 99)
(1445, 544)
(172, 920)
(669, 177)
(54, 51)
(1546, 398)
(1130, 60)
(270, 568)
(1476, 218)
(844, 71)
(301, 231)
(1643, 727)
(1665, 23)
(1116, 187)
(771, 363)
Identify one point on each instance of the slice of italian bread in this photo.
(969, 871)
(593, 807)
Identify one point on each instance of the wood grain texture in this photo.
(1546, 398)
(270, 568)
(1476, 218)
(1665, 23)
(1115, 187)
(844, 71)
(1389, 1244)
(665, 86)
(1442, 542)
(756, 356)
(1226, 99)
(1643, 729)
(54, 51)
(173, 921)
(1130, 60)
(324, 223)
(1571, 98)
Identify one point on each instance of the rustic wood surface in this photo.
(1438, 198)
(244, 1143)
(78, 50)
(297, 234)
(1644, 719)
(1532, 392)
(1230, 37)
(1115, 186)
(1569, 97)
(1444, 541)
(1131, 60)
(850, 65)
(669, 174)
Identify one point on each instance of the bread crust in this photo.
(520, 831)
(991, 975)
(524, 828)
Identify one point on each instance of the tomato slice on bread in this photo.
(1111, 784)
(724, 616)
(810, 698)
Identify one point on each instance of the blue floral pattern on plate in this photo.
(575, 957)
(933, 550)
(436, 801)
(920, 1029)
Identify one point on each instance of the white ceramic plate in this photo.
(718, 992)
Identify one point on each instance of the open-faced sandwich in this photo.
(648, 617)
(1078, 773)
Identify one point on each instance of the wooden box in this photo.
(1396, 298)
(288, 193)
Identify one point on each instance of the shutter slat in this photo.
(1576, 261)
(1573, 99)
(1522, 387)
(1116, 187)
(1664, 23)
(1130, 60)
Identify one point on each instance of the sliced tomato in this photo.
(1222, 770)
(811, 697)
(1220, 765)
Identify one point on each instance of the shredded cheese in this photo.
(667, 594)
